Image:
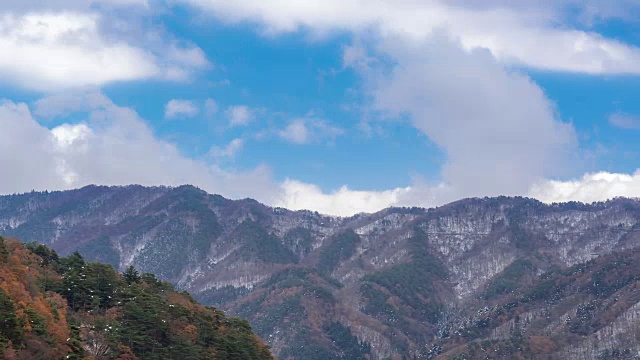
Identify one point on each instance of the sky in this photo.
(336, 106)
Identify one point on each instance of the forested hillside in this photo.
(55, 307)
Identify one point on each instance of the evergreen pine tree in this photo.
(10, 329)
(131, 275)
(4, 253)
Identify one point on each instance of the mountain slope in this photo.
(384, 285)
(588, 311)
(55, 308)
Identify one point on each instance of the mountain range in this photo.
(504, 277)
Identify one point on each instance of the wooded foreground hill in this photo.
(55, 307)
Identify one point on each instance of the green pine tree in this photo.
(131, 275)
(10, 328)
(4, 253)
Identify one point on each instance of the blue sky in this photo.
(337, 106)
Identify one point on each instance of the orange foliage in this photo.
(190, 332)
(113, 313)
(9, 353)
(177, 299)
(19, 278)
(127, 353)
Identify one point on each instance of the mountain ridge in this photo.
(387, 279)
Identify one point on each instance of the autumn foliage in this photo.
(57, 308)
(35, 324)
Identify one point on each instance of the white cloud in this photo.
(515, 33)
(230, 150)
(70, 102)
(501, 134)
(69, 138)
(59, 50)
(296, 132)
(499, 131)
(305, 130)
(342, 202)
(449, 68)
(25, 151)
(66, 135)
(181, 61)
(177, 108)
(240, 115)
(114, 147)
(625, 121)
(78, 5)
(591, 187)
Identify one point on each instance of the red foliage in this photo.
(19, 277)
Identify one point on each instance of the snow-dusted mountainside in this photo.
(401, 282)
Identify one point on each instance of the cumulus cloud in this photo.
(177, 108)
(514, 33)
(342, 202)
(240, 115)
(46, 51)
(498, 129)
(448, 67)
(296, 132)
(230, 150)
(591, 187)
(625, 121)
(70, 102)
(304, 131)
(20, 138)
(113, 146)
